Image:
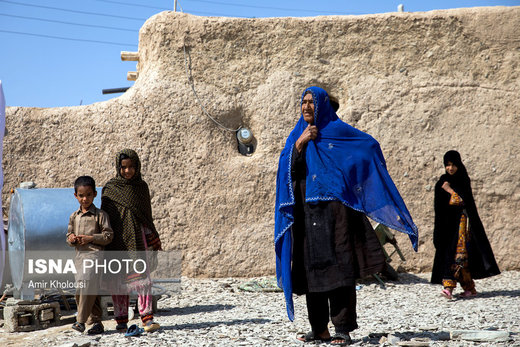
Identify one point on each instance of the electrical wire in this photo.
(73, 11)
(68, 23)
(194, 12)
(135, 5)
(169, 9)
(214, 14)
(269, 7)
(226, 4)
(192, 85)
(69, 38)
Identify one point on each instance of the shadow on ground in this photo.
(403, 278)
(206, 325)
(491, 294)
(408, 278)
(425, 336)
(179, 311)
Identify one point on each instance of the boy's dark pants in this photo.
(342, 309)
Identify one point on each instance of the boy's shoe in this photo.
(78, 327)
(96, 329)
(122, 327)
(151, 326)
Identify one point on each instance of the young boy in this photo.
(89, 231)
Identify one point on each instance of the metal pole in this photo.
(175, 6)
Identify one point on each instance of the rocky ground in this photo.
(217, 312)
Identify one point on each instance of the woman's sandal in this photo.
(468, 294)
(311, 337)
(344, 339)
(447, 294)
(78, 327)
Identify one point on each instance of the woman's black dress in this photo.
(332, 243)
(481, 260)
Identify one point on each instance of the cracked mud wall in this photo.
(420, 83)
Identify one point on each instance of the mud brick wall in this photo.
(420, 83)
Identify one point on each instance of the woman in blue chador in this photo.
(330, 177)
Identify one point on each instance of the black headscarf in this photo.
(460, 181)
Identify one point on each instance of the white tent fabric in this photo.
(2, 129)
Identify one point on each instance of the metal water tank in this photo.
(38, 220)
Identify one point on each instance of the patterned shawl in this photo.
(128, 205)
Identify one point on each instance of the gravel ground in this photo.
(215, 312)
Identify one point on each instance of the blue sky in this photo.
(64, 52)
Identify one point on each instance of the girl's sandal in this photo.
(122, 327)
(151, 326)
(447, 294)
(134, 330)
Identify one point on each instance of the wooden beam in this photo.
(129, 56)
(132, 75)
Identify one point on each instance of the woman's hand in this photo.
(455, 198)
(310, 133)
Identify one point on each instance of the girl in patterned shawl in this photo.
(126, 199)
(463, 252)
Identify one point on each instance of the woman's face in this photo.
(127, 168)
(451, 168)
(308, 108)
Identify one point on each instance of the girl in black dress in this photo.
(463, 252)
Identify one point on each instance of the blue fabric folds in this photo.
(343, 164)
